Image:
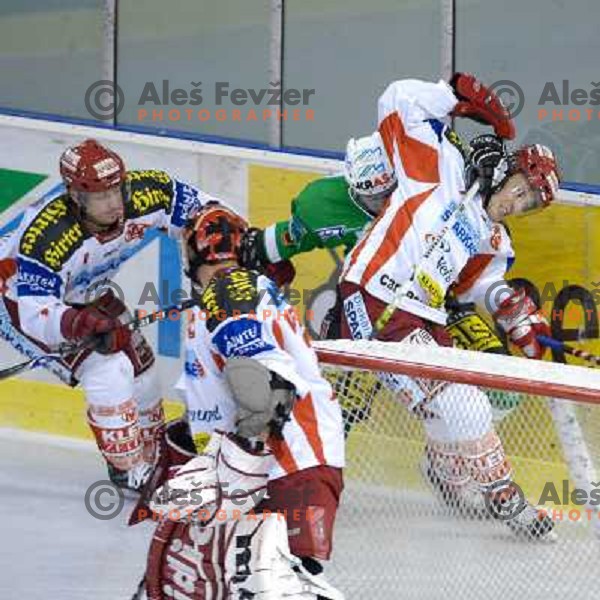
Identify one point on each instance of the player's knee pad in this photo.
(482, 462)
(106, 379)
(117, 433)
(223, 483)
(462, 412)
(175, 447)
(152, 416)
(185, 560)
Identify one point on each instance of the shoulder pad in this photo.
(147, 192)
(232, 292)
(53, 235)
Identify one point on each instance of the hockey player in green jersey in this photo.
(329, 212)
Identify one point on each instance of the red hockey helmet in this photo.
(214, 235)
(539, 165)
(90, 167)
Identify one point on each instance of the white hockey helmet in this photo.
(369, 173)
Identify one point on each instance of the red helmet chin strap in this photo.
(539, 165)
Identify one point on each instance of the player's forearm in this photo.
(279, 245)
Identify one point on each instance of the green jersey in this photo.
(323, 216)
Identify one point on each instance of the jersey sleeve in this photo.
(39, 292)
(415, 101)
(286, 239)
(166, 203)
(321, 218)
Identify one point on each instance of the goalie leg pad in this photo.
(235, 560)
(175, 447)
(259, 564)
(223, 483)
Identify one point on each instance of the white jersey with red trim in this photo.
(60, 263)
(482, 279)
(243, 314)
(429, 161)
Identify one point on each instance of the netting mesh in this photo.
(399, 536)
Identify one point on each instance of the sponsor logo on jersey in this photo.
(101, 270)
(296, 229)
(185, 202)
(357, 317)
(193, 367)
(327, 233)
(389, 282)
(453, 138)
(205, 415)
(133, 231)
(432, 288)
(61, 249)
(242, 337)
(467, 236)
(35, 280)
(445, 270)
(431, 238)
(240, 286)
(48, 217)
(149, 191)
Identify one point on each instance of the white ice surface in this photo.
(50, 547)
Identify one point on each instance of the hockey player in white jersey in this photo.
(253, 383)
(66, 248)
(417, 249)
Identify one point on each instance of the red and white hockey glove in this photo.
(481, 104)
(88, 322)
(523, 322)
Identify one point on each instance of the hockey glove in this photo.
(522, 321)
(486, 162)
(106, 334)
(481, 104)
(251, 252)
(282, 272)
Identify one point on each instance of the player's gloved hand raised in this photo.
(523, 322)
(282, 272)
(481, 104)
(251, 253)
(89, 322)
(487, 155)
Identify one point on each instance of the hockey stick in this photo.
(562, 347)
(69, 348)
(138, 594)
(387, 313)
(570, 433)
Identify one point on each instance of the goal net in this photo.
(398, 535)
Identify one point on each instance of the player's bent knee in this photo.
(106, 379)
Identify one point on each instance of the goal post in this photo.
(397, 538)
